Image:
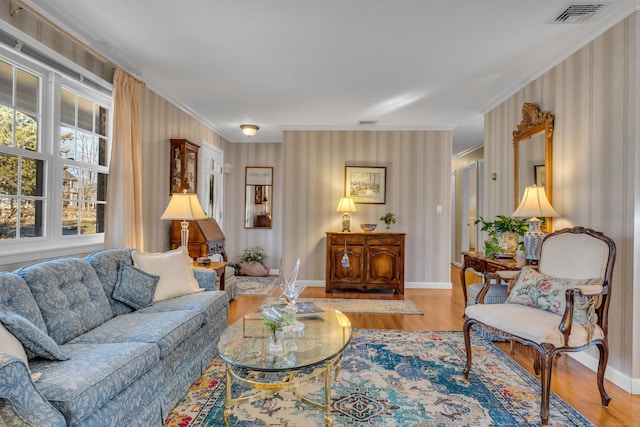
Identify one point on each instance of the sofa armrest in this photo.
(27, 406)
(206, 278)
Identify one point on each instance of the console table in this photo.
(376, 261)
(483, 265)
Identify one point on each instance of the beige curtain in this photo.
(123, 222)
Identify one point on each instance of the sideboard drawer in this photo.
(384, 240)
(351, 239)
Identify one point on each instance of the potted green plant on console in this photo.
(505, 234)
(389, 218)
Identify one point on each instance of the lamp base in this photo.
(533, 241)
(346, 222)
(184, 234)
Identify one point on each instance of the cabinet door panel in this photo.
(352, 274)
(383, 264)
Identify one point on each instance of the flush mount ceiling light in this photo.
(249, 130)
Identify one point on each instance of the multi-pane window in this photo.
(54, 155)
(83, 149)
(22, 172)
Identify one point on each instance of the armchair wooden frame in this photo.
(546, 352)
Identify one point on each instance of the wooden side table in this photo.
(218, 267)
(483, 265)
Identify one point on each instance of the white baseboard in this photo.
(312, 283)
(408, 285)
(428, 285)
(625, 382)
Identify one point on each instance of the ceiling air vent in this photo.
(578, 13)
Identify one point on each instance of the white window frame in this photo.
(53, 243)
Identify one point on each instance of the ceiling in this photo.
(329, 64)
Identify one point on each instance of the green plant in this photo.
(388, 218)
(253, 254)
(275, 320)
(502, 224)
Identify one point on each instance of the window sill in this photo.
(25, 253)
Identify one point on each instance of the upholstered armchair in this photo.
(561, 307)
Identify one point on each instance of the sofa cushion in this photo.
(16, 297)
(134, 287)
(94, 375)
(538, 290)
(70, 296)
(173, 267)
(36, 341)
(106, 263)
(207, 303)
(166, 329)
(531, 323)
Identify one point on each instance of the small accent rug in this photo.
(259, 286)
(351, 305)
(392, 378)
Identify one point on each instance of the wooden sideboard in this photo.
(376, 261)
(483, 265)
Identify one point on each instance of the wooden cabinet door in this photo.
(354, 274)
(384, 265)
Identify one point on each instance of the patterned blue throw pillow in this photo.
(32, 338)
(135, 287)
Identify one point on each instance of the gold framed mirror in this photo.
(532, 150)
(258, 197)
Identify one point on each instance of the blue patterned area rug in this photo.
(393, 378)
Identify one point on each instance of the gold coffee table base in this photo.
(290, 382)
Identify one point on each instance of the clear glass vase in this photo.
(276, 341)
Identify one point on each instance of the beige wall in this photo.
(593, 95)
(57, 40)
(160, 121)
(418, 179)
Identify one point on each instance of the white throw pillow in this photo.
(10, 344)
(174, 270)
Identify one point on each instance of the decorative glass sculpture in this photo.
(290, 293)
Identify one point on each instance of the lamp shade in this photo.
(534, 203)
(184, 206)
(346, 204)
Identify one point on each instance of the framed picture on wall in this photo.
(366, 184)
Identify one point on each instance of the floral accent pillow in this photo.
(535, 289)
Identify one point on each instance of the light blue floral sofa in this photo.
(100, 361)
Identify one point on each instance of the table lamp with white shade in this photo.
(346, 205)
(184, 207)
(534, 205)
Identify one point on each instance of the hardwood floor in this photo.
(443, 310)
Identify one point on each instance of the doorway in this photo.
(211, 176)
(471, 207)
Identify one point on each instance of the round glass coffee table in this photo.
(244, 347)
